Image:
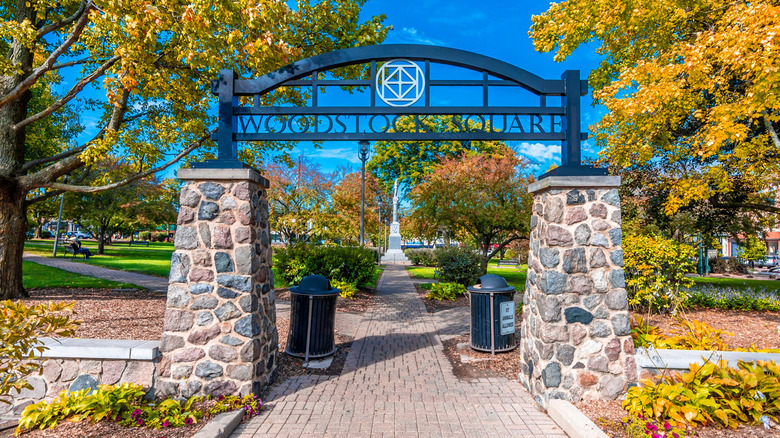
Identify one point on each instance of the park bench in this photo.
(138, 242)
(69, 250)
(510, 262)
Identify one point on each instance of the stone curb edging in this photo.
(572, 421)
(222, 425)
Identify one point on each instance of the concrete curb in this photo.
(222, 425)
(572, 421)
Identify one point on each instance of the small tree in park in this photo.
(753, 249)
(485, 197)
(345, 223)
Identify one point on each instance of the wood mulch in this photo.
(468, 364)
(110, 313)
(433, 306)
(761, 329)
(609, 415)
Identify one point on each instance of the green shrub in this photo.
(346, 289)
(458, 265)
(732, 298)
(160, 237)
(145, 235)
(423, 256)
(125, 404)
(718, 265)
(336, 263)
(446, 291)
(21, 327)
(735, 266)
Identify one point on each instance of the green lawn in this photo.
(39, 276)
(739, 283)
(515, 277)
(152, 260)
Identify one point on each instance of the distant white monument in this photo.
(394, 252)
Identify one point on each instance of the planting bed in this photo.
(609, 415)
(761, 329)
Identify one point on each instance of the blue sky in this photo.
(498, 29)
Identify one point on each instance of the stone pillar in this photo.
(220, 333)
(576, 332)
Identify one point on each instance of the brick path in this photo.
(398, 383)
(66, 264)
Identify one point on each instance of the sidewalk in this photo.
(66, 264)
(398, 383)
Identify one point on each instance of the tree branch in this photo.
(771, 129)
(36, 74)
(71, 94)
(60, 156)
(65, 21)
(747, 205)
(86, 189)
(69, 64)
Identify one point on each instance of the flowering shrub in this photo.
(656, 269)
(733, 298)
(346, 289)
(686, 335)
(125, 404)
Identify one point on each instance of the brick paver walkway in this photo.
(398, 383)
(66, 264)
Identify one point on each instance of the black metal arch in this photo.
(377, 122)
(413, 52)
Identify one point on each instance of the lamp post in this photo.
(59, 219)
(363, 155)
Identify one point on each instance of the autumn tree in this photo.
(144, 68)
(411, 162)
(485, 197)
(345, 222)
(692, 85)
(298, 199)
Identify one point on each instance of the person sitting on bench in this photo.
(77, 249)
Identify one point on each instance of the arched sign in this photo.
(400, 87)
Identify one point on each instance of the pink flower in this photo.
(667, 426)
(188, 421)
(165, 423)
(652, 427)
(140, 421)
(657, 435)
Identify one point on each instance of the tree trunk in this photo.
(13, 224)
(39, 227)
(101, 239)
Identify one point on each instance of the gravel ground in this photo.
(609, 416)
(468, 364)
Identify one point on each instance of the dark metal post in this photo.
(570, 150)
(363, 155)
(59, 220)
(226, 146)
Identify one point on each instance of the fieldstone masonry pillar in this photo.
(576, 332)
(220, 333)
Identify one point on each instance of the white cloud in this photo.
(412, 35)
(539, 151)
(348, 154)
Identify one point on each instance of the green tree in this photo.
(147, 67)
(692, 85)
(411, 162)
(484, 197)
(753, 249)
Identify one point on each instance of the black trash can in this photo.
(312, 317)
(492, 315)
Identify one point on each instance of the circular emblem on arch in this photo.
(400, 82)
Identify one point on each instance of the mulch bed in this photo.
(433, 306)
(484, 364)
(761, 329)
(608, 415)
(110, 313)
(359, 304)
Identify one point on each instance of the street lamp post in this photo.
(59, 219)
(363, 155)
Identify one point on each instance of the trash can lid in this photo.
(491, 283)
(314, 285)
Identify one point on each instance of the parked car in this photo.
(769, 262)
(80, 235)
